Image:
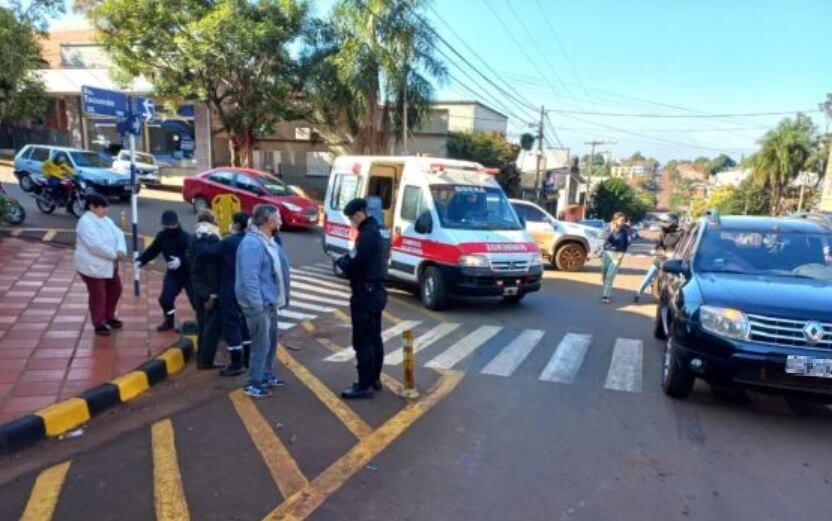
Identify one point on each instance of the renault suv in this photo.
(748, 301)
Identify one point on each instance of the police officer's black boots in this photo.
(235, 368)
(167, 324)
(357, 392)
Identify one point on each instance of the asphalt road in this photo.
(551, 410)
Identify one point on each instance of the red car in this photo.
(252, 187)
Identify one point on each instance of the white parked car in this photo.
(146, 168)
(565, 244)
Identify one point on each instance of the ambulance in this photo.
(451, 229)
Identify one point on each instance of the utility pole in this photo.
(538, 184)
(404, 119)
(593, 144)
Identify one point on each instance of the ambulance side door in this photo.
(406, 255)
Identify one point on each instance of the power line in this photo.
(562, 49)
(682, 116)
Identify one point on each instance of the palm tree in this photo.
(364, 62)
(784, 153)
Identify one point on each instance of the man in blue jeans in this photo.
(262, 287)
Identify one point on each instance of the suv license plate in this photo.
(808, 366)
(510, 292)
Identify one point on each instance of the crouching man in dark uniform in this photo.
(364, 266)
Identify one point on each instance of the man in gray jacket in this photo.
(262, 287)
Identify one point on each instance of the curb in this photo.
(69, 414)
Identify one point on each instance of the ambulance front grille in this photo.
(509, 265)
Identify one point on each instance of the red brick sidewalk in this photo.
(48, 351)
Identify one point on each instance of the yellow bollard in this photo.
(122, 221)
(409, 384)
(225, 206)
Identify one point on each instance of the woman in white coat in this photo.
(99, 246)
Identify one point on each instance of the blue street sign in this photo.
(129, 124)
(145, 108)
(103, 102)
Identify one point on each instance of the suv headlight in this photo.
(726, 322)
(536, 259)
(292, 207)
(473, 261)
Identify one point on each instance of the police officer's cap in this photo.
(169, 218)
(356, 205)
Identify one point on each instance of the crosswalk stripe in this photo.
(457, 352)
(567, 359)
(424, 341)
(317, 280)
(510, 358)
(348, 354)
(323, 271)
(283, 326)
(288, 313)
(318, 274)
(311, 307)
(316, 289)
(625, 369)
(318, 298)
(323, 266)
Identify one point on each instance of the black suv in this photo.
(748, 300)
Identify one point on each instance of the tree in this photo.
(232, 54)
(36, 13)
(614, 195)
(526, 141)
(599, 167)
(637, 157)
(365, 61)
(490, 149)
(22, 93)
(749, 198)
(718, 164)
(784, 152)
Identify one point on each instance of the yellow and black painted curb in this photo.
(70, 414)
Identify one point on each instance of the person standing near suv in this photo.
(615, 247)
(669, 237)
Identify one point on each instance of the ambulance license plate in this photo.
(511, 292)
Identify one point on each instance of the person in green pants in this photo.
(615, 246)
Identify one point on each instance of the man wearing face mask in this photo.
(365, 269)
(262, 287)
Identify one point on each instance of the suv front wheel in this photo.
(569, 256)
(677, 380)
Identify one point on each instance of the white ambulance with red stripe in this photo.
(452, 230)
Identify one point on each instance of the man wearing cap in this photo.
(172, 242)
(669, 237)
(364, 266)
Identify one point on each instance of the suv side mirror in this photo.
(676, 267)
(522, 220)
(424, 223)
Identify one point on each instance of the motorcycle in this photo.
(72, 196)
(10, 208)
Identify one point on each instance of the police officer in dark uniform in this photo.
(364, 266)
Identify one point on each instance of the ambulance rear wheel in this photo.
(432, 290)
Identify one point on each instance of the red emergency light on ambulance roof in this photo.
(490, 170)
(437, 167)
(356, 168)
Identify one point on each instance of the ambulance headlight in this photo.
(536, 259)
(473, 261)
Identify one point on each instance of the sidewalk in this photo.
(48, 351)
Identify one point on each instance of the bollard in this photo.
(122, 221)
(409, 384)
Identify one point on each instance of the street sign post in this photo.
(129, 113)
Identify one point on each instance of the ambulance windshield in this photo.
(471, 207)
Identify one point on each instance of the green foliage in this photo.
(364, 62)
(615, 195)
(784, 152)
(718, 164)
(36, 13)
(526, 141)
(22, 94)
(509, 179)
(233, 54)
(749, 198)
(637, 156)
(487, 148)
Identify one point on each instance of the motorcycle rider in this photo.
(57, 170)
(670, 235)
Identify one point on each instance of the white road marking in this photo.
(317, 298)
(345, 355)
(316, 280)
(442, 330)
(318, 275)
(288, 313)
(285, 325)
(510, 357)
(567, 359)
(316, 289)
(625, 368)
(311, 307)
(462, 349)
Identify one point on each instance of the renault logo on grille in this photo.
(813, 332)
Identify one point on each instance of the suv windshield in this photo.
(88, 160)
(787, 254)
(471, 207)
(275, 186)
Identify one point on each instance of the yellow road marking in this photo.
(388, 381)
(348, 417)
(308, 326)
(419, 309)
(44, 496)
(329, 344)
(306, 501)
(283, 468)
(48, 236)
(146, 240)
(168, 494)
(343, 316)
(131, 385)
(63, 416)
(391, 317)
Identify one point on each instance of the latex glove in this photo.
(174, 263)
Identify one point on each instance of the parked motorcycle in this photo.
(10, 208)
(72, 196)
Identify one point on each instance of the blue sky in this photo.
(638, 56)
